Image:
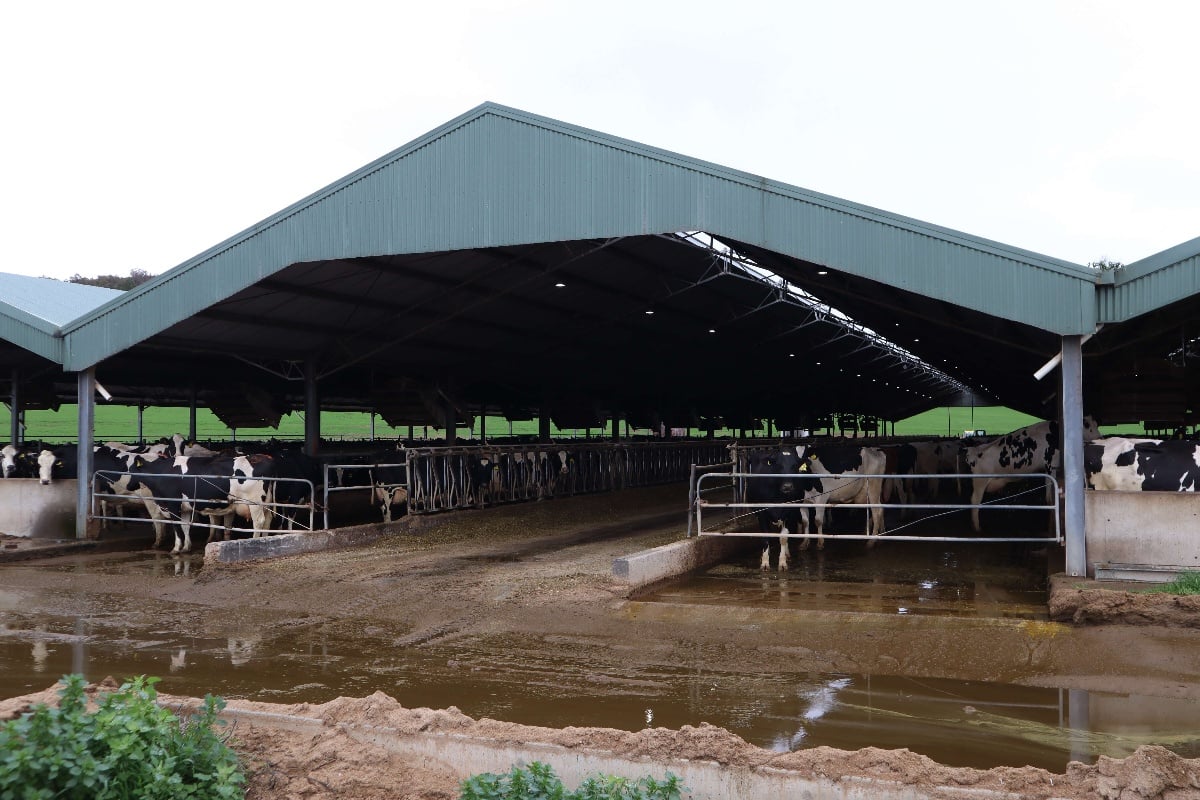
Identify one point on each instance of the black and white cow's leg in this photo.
(978, 490)
(783, 547)
(804, 528)
(764, 563)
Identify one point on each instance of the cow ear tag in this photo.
(804, 467)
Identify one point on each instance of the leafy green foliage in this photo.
(135, 278)
(538, 782)
(128, 747)
(1188, 582)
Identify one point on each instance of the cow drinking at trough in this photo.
(771, 481)
(1030, 450)
(853, 468)
(1142, 465)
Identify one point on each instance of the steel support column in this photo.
(1073, 477)
(449, 420)
(192, 414)
(312, 411)
(141, 411)
(15, 405)
(544, 424)
(86, 397)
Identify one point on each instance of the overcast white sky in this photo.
(137, 134)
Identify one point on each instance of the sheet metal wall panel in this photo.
(1152, 283)
(30, 338)
(499, 177)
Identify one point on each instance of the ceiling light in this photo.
(712, 330)
(822, 272)
(559, 285)
(650, 312)
(793, 355)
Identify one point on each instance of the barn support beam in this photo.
(86, 398)
(14, 404)
(1073, 477)
(141, 413)
(312, 411)
(450, 420)
(192, 413)
(544, 424)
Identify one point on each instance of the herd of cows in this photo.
(182, 484)
(803, 480)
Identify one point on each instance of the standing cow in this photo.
(1027, 451)
(219, 486)
(774, 478)
(1142, 465)
(853, 468)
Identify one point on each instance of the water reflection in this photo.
(530, 680)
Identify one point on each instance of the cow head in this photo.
(47, 461)
(8, 461)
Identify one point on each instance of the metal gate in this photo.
(272, 507)
(719, 491)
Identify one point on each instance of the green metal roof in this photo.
(32, 310)
(498, 177)
(1151, 283)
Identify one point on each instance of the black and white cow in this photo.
(390, 492)
(487, 478)
(932, 458)
(19, 461)
(1142, 465)
(1030, 450)
(215, 487)
(854, 468)
(901, 460)
(305, 478)
(112, 477)
(774, 478)
(57, 463)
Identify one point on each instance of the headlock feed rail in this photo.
(448, 478)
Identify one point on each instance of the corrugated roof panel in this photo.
(497, 177)
(51, 301)
(33, 309)
(1151, 283)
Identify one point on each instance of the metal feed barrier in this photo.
(723, 478)
(340, 485)
(448, 478)
(112, 476)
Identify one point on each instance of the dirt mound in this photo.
(1089, 602)
(346, 748)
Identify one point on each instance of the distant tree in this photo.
(1105, 265)
(136, 277)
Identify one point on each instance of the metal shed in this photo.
(508, 261)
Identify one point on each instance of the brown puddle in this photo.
(920, 578)
(961, 723)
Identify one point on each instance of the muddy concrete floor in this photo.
(529, 587)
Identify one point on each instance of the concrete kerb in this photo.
(672, 560)
(290, 544)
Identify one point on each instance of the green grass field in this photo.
(119, 423)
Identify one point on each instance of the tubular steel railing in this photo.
(737, 480)
(114, 476)
(341, 469)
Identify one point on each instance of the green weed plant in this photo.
(538, 782)
(128, 747)
(1188, 582)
